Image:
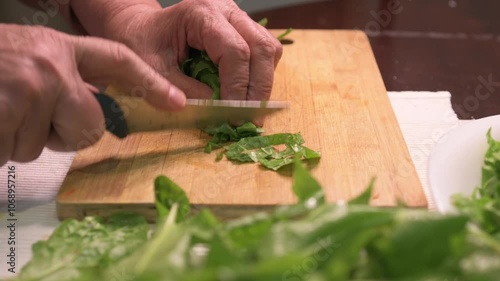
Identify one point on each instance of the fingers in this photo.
(105, 62)
(32, 135)
(193, 88)
(25, 107)
(247, 54)
(227, 48)
(6, 136)
(8, 125)
(7, 141)
(77, 120)
(266, 52)
(55, 143)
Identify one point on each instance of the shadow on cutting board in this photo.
(138, 161)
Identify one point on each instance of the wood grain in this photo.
(338, 103)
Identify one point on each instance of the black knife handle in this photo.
(113, 114)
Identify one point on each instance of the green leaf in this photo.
(186, 66)
(282, 36)
(199, 66)
(248, 129)
(484, 204)
(260, 149)
(247, 232)
(305, 186)
(364, 198)
(202, 225)
(401, 253)
(275, 164)
(80, 250)
(168, 239)
(263, 22)
(225, 133)
(204, 68)
(167, 193)
(220, 155)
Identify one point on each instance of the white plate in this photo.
(456, 160)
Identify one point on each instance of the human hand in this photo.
(246, 52)
(46, 97)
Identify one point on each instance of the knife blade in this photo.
(125, 115)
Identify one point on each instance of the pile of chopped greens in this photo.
(250, 146)
(310, 240)
(227, 133)
(261, 149)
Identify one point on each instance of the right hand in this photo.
(46, 97)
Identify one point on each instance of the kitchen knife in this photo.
(125, 115)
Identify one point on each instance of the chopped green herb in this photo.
(261, 150)
(226, 133)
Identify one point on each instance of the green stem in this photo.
(487, 239)
(156, 242)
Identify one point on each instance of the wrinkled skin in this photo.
(246, 52)
(46, 97)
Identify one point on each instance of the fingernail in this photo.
(92, 88)
(177, 98)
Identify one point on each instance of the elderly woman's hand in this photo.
(46, 97)
(246, 52)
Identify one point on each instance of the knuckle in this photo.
(208, 26)
(29, 90)
(122, 54)
(48, 44)
(237, 15)
(237, 86)
(266, 88)
(241, 50)
(265, 46)
(261, 90)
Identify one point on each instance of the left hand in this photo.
(247, 54)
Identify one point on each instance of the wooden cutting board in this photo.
(338, 103)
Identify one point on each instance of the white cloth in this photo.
(423, 116)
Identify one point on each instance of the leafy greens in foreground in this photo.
(83, 250)
(311, 240)
(484, 204)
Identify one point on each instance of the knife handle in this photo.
(116, 123)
